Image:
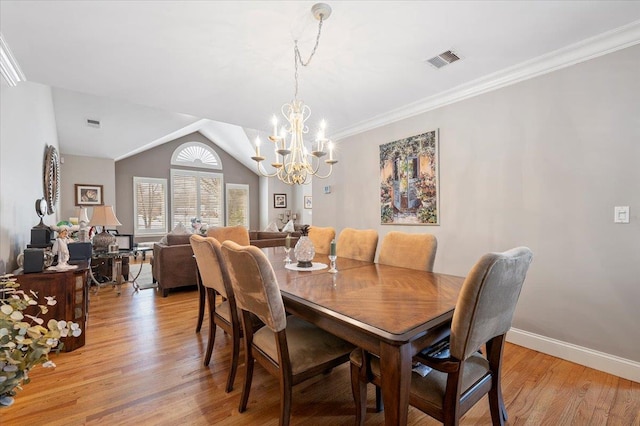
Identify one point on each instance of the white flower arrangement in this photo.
(24, 341)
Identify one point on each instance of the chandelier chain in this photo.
(297, 58)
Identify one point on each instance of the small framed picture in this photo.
(279, 201)
(308, 202)
(89, 195)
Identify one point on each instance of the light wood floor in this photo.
(142, 364)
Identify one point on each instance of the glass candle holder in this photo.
(332, 264)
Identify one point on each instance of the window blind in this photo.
(150, 201)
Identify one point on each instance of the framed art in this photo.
(237, 205)
(409, 181)
(279, 201)
(308, 203)
(89, 195)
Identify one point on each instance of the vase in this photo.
(304, 252)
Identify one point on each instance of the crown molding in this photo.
(9, 67)
(590, 48)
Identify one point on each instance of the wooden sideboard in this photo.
(71, 292)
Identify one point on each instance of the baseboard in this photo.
(611, 364)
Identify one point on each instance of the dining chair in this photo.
(482, 316)
(287, 347)
(321, 238)
(214, 279)
(240, 235)
(359, 244)
(413, 251)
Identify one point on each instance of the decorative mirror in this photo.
(51, 179)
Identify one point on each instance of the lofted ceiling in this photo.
(150, 71)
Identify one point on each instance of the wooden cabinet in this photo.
(71, 292)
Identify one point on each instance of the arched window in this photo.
(196, 196)
(196, 154)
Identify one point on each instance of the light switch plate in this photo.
(621, 214)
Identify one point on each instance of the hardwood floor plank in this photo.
(142, 364)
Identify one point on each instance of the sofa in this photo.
(174, 266)
(271, 239)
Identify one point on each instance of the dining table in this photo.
(389, 311)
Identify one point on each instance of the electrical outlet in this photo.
(621, 214)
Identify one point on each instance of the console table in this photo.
(70, 290)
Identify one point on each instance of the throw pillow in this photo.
(272, 227)
(180, 229)
(289, 227)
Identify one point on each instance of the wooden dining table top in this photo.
(392, 302)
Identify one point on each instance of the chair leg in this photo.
(379, 402)
(286, 391)
(235, 354)
(498, 411)
(248, 376)
(359, 389)
(201, 298)
(212, 325)
(496, 402)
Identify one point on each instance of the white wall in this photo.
(541, 163)
(28, 126)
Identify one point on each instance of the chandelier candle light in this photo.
(295, 164)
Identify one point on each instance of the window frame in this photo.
(198, 174)
(137, 231)
(196, 148)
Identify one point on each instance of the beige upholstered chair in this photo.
(413, 251)
(359, 244)
(289, 348)
(215, 280)
(321, 238)
(240, 235)
(482, 315)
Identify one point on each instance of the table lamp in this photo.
(103, 216)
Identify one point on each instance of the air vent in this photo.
(443, 59)
(93, 123)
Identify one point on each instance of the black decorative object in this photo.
(40, 234)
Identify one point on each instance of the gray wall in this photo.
(78, 169)
(156, 163)
(541, 163)
(28, 126)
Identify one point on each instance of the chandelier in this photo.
(294, 163)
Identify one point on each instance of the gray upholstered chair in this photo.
(413, 251)
(321, 238)
(289, 348)
(482, 316)
(359, 244)
(214, 279)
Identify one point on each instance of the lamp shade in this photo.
(104, 216)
